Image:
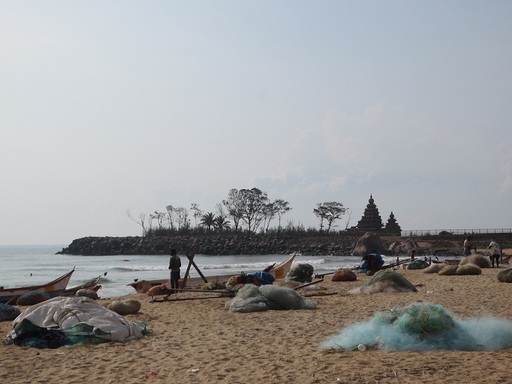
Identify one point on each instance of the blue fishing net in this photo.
(421, 327)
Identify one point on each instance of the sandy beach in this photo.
(199, 341)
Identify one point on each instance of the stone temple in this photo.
(371, 220)
(392, 227)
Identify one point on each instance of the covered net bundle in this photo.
(421, 319)
(386, 281)
(417, 264)
(302, 273)
(505, 276)
(67, 321)
(423, 326)
(251, 298)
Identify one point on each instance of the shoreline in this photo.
(199, 341)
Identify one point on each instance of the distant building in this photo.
(371, 220)
(392, 227)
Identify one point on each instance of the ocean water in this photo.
(32, 265)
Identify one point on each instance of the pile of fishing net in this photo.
(417, 264)
(256, 278)
(251, 298)
(421, 327)
(465, 269)
(8, 312)
(386, 281)
(303, 273)
(69, 321)
(214, 285)
(344, 274)
(479, 260)
(505, 275)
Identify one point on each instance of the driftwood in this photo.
(308, 284)
(164, 299)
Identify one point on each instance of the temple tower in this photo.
(371, 220)
(392, 227)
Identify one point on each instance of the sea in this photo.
(23, 265)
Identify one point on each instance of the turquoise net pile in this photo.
(421, 327)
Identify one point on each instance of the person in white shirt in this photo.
(468, 246)
(495, 253)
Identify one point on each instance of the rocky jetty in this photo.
(210, 245)
(244, 244)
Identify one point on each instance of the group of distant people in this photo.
(494, 247)
(372, 262)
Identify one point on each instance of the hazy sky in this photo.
(109, 106)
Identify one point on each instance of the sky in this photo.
(109, 107)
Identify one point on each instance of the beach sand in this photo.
(199, 341)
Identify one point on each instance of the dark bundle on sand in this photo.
(505, 276)
(302, 273)
(385, 281)
(344, 274)
(479, 260)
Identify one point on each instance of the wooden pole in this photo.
(190, 256)
(308, 284)
(186, 274)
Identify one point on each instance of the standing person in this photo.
(495, 253)
(175, 267)
(468, 246)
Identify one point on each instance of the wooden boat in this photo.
(89, 284)
(279, 271)
(53, 288)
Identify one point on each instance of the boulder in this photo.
(404, 247)
(369, 243)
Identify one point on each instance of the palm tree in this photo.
(208, 220)
(221, 223)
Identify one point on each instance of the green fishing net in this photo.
(420, 319)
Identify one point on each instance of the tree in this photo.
(141, 222)
(182, 218)
(170, 216)
(329, 211)
(277, 208)
(221, 224)
(270, 211)
(208, 220)
(253, 203)
(198, 213)
(233, 205)
(281, 208)
(159, 217)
